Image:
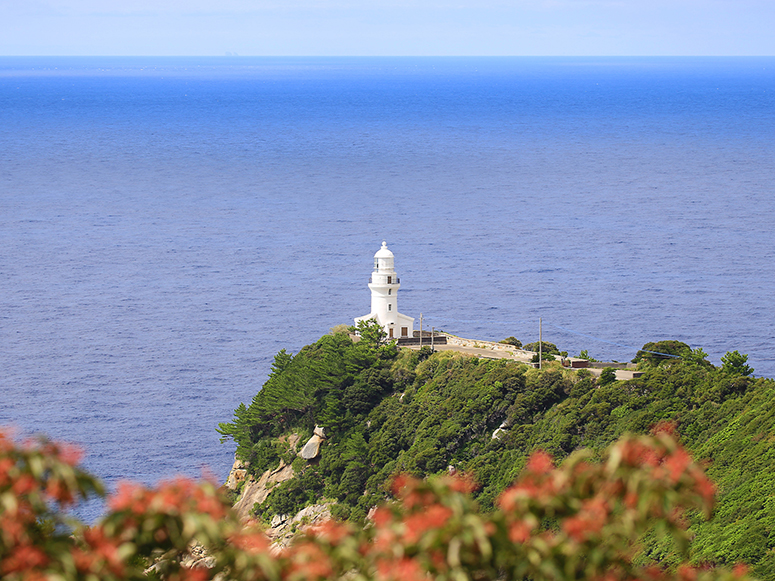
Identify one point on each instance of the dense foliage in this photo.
(583, 520)
(389, 411)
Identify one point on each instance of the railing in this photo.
(395, 281)
(426, 340)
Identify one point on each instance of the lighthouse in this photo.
(384, 284)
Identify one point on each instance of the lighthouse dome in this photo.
(383, 252)
(383, 259)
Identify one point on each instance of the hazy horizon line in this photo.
(235, 55)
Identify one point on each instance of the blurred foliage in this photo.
(581, 521)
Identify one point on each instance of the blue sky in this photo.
(387, 27)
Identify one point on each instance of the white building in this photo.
(384, 285)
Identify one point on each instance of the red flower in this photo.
(705, 488)
(129, 496)
(434, 517)
(309, 562)
(401, 482)
(588, 522)
(251, 542)
(70, 454)
(520, 531)
(540, 463)
(676, 464)
(400, 570)
(5, 467)
(669, 428)
(331, 531)
(687, 573)
(58, 491)
(740, 570)
(462, 483)
(24, 484)
(382, 516)
(23, 558)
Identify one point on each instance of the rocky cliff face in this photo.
(256, 490)
(284, 527)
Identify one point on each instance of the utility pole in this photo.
(420, 330)
(540, 345)
(433, 332)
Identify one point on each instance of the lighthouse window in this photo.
(390, 280)
(390, 291)
(390, 307)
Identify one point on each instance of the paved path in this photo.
(483, 353)
(522, 357)
(623, 374)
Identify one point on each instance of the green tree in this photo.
(697, 357)
(546, 348)
(655, 353)
(371, 333)
(607, 376)
(281, 362)
(512, 341)
(735, 363)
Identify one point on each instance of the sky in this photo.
(387, 27)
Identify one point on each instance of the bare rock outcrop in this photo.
(237, 475)
(312, 448)
(284, 527)
(197, 557)
(255, 491)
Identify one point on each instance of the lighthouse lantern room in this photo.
(384, 284)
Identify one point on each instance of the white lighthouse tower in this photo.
(384, 285)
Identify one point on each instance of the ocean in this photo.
(168, 224)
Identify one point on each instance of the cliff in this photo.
(387, 411)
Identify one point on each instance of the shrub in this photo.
(582, 520)
(546, 348)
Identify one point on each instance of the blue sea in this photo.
(168, 224)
